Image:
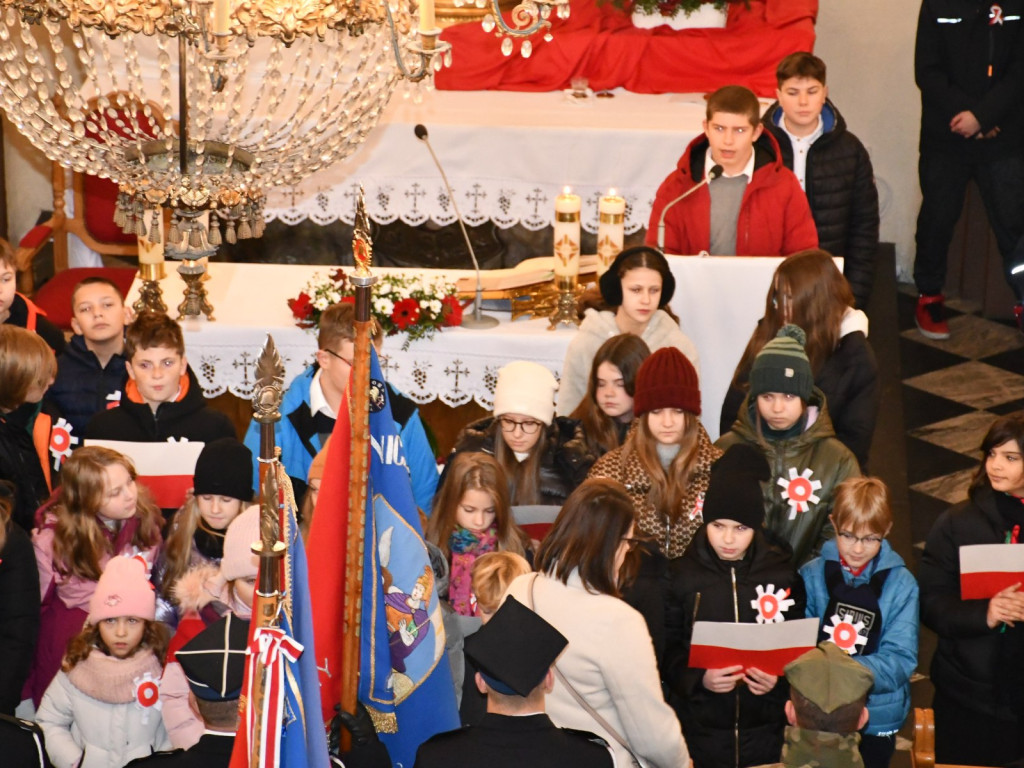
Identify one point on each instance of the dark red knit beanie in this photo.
(666, 380)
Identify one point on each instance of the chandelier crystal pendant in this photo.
(202, 105)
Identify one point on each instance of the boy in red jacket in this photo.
(754, 207)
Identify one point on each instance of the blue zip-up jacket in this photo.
(896, 657)
(297, 437)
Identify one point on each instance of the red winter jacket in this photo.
(774, 220)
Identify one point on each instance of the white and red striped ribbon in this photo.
(270, 649)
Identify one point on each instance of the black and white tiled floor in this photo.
(952, 390)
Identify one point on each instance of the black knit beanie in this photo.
(734, 490)
(782, 366)
(224, 468)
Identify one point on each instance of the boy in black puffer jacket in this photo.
(730, 573)
(91, 371)
(832, 166)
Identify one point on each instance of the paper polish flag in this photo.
(769, 647)
(165, 468)
(989, 568)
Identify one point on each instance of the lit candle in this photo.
(427, 23)
(221, 17)
(152, 253)
(611, 229)
(567, 238)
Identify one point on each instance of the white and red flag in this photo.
(986, 569)
(768, 647)
(166, 469)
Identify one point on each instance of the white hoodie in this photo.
(599, 326)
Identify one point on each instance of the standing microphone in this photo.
(714, 173)
(478, 320)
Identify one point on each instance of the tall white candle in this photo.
(567, 234)
(221, 17)
(427, 22)
(611, 229)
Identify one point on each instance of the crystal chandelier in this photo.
(199, 106)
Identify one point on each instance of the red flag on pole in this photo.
(325, 554)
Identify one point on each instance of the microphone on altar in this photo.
(714, 173)
(478, 320)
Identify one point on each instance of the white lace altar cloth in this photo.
(718, 301)
(507, 156)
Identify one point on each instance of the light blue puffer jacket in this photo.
(896, 657)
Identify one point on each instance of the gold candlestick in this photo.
(150, 296)
(196, 300)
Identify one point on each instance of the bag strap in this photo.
(577, 695)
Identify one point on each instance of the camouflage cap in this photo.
(828, 677)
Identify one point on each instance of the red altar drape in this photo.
(601, 44)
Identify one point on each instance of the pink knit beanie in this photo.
(239, 561)
(124, 589)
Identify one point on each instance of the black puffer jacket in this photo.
(19, 606)
(83, 388)
(840, 187)
(955, 47)
(563, 466)
(980, 667)
(188, 417)
(736, 728)
(20, 464)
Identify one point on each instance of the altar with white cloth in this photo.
(507, 156)
(718, 301)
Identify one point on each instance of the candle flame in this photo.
(611, 192)
(566, 190)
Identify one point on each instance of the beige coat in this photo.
(610, 661)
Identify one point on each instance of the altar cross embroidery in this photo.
(536, 197)
(476, 194)
(245, 361)
(456, 371)
(415, 193)
(387, 365)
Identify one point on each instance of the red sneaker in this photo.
(931, 317)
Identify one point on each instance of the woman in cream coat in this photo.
(610, 658)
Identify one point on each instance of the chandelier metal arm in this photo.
(429, 47)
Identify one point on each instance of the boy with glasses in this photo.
(867, 602)
(311, 403)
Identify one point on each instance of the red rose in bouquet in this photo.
(451, 311)
(406, 313)
(302, 309)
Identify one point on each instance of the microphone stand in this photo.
(712, 174)
(477, 321)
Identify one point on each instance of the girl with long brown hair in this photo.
(472, 517)
(606, 411)
(666, 459)
(99, 512)
(809, 291)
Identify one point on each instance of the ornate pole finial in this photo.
(362, 245)
(268, 392)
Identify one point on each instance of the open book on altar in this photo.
(540, 269)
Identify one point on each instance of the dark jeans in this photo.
(966, 737)
(944, 176)
(876, 751)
